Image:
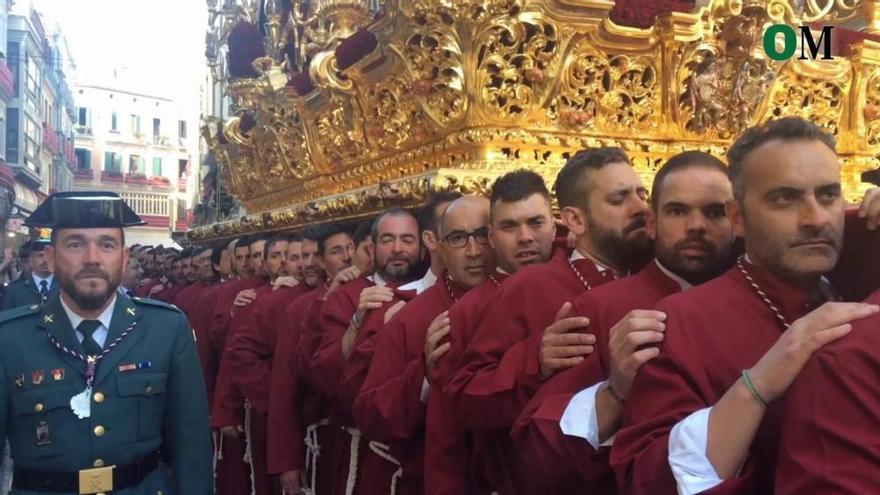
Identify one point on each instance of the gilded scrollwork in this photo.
(598, 93)
(457, 92)
(513, 57)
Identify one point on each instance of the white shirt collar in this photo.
(684, 284)
(37, 280)
(576, 255)
(104, 317)
(422, 284)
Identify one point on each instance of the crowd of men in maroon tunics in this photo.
(710, 338)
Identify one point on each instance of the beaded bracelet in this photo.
(754, 390)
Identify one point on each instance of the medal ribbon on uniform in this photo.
(80, 403)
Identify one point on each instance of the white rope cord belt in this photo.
(352, 459)
(384, 451)
(313, 451)
(248, 452)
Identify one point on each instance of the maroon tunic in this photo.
(449, 448)
(829, 442)
(287, 393)
(567, 460)
(389, 406)
(187, 297)
(500, 370)
(713, 332)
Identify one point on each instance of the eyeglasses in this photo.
(459, 239)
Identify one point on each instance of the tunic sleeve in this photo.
(285, 438)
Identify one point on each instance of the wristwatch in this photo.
(356, 321)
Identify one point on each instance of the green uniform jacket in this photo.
(23, 292)
(148, 394)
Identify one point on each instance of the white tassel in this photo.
(384, 451)
(312, 454)
(248, 453)
(352, 460)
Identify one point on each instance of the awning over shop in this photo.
(7, 176)
(25, 198)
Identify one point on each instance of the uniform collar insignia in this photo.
(48, 318)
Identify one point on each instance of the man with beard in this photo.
(230, 412)
(563, 430)
(115, 382)
(231, 474)
(37, 287)
(251, 346)
(603, 203)
(151, 271)
(168, 290)
(396, 250)
(521, 231)
(201, 266)
(391, 404)
(702, 416)
(295, 406)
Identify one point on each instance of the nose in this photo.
(92, 253)
(525, 235)
(814, 214)
(696, 221)
(471, 249)
(638, 206)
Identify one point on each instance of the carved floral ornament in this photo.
(453, 94)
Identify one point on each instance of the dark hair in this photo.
(572, 187)
(390, 212)
(325, 234)
(362, 232)
(786, 129)
(243, 241)
(518, 185)
(23, 253)
(187, 252)
(681, 161)
(217, 253)
(294, 237)
(255, 238)
(271, 241)
(175, 259)
(312, 233)
(429, 217)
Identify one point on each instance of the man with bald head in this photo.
(392, 403)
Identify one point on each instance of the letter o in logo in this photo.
(789, 38)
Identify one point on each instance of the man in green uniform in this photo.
(100, 393)
(37, 286)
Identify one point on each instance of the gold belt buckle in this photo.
(96, 480)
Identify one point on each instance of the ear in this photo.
(735, 214)
(429, 240)
(652, 223)
(575, 219)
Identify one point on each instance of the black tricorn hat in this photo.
(84, 210)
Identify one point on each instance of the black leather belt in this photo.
(86, 481)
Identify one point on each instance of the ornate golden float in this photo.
(400, 99)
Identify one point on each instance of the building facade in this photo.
(36, 132)
(140, 146)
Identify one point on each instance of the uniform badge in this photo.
(48, 318)
(43, 433)
(37, 377)
(19, 380)
(58, 374)
(130, 311)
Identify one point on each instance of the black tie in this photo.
(44, 289)
(87, 328)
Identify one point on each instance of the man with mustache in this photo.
(251, 346)
(230, 473)
(38, 286)
(231, 412)
(396, 252)
(702, 416)
(521, 232)
(148, 263)
(392, 402)
(565, 428)
(295, 406)
(98, 390)
(604, 203)
(201, 267)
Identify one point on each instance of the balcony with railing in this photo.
(7, 84)
(50, 139)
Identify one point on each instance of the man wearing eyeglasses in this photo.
(603, 203)
(392, 403)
